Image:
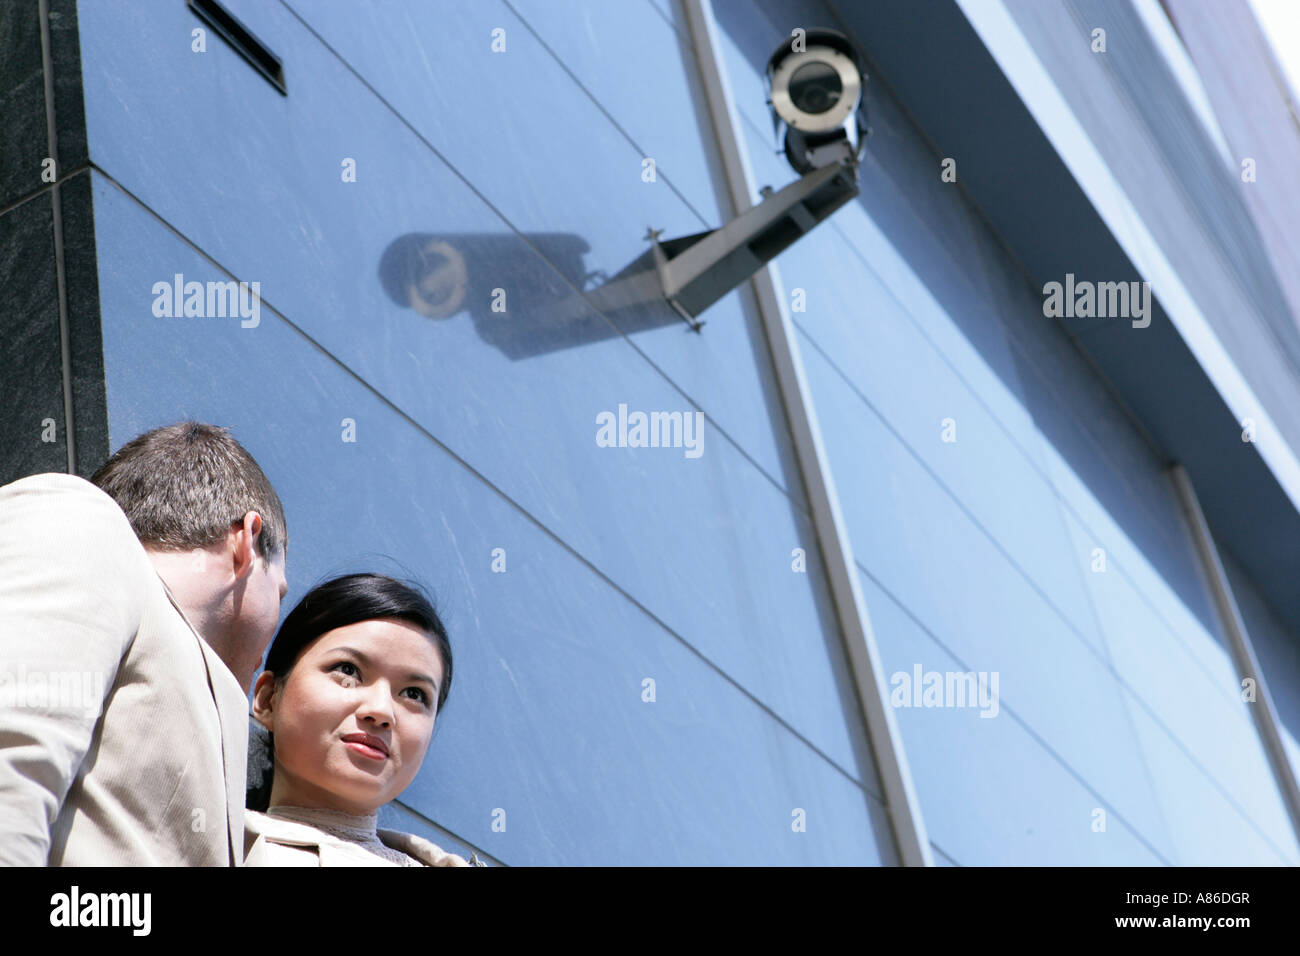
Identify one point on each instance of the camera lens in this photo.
(815, 87)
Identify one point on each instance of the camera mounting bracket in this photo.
(696, 271)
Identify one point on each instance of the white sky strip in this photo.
(1280, 21)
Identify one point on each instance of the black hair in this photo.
(338, 603)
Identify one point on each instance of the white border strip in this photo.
(864, 657)
(1036, 89)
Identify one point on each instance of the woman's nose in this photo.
(377, 704)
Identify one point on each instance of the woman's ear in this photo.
(264, 699)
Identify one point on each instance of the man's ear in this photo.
(246, 534)
(264, 699)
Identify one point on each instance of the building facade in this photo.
(945, 605)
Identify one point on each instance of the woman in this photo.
(353, 683)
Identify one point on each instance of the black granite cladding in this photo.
(31, 367)
(23, 141)
(69, 104)
(81, 276)
(31, 360)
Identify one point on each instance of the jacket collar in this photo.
(291, 833)
(232, 716)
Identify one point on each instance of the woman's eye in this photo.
(420, 695)
(346, 667)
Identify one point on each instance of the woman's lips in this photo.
(367, 746)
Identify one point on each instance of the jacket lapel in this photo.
(232, 713)
(232, 721)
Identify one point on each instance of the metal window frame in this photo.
(56, 214)
(901, 803)
(1262, 710)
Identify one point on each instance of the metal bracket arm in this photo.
(698, 270)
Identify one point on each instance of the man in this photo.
(134, 612)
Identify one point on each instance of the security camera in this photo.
(815, 85)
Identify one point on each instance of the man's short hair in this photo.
(183, 486)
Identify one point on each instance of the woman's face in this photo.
(353, 719)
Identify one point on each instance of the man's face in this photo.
(257, 611)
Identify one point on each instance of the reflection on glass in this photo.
(440, 275)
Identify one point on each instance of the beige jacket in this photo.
(275, 842)
(122, 734)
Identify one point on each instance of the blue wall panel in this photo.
(917, 313)
(519, 174)
(477, 430)
(545, 719)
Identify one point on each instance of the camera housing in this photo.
(815, 84)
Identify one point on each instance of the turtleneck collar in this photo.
(346, 826)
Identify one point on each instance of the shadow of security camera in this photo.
(520, 302)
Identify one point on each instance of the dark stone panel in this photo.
(81, 275)
(22, 101)
(69, 104)
(31, 372)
